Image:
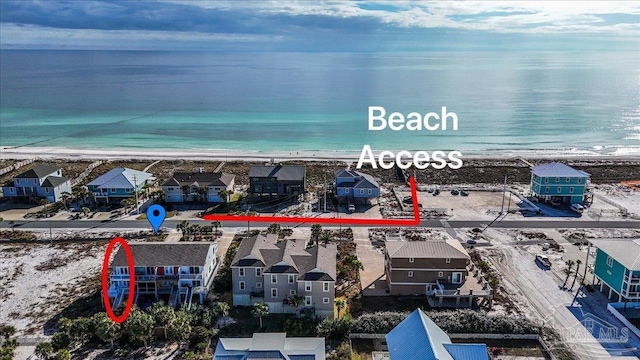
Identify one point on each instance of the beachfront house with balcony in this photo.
(417, 337)
(198, 186)
(270, 346)
(118, 184)
(355, 187)
(277, 180)
(272, 271)
(422, 267)
(559, 182)
(43, 181)
(617, 268)
(176, 273)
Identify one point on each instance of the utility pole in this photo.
(135, 189)
(325, 193)
(248, 208)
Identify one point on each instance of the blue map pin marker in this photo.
(156, 215)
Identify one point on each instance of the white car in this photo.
(351, 208)
(577, 208)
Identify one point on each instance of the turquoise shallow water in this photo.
(537, 101)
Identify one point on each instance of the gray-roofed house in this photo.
(559, 181)
(43, 181)
(617, 268)
(270, 346)
(198, 186)
(174, 272)
(117, 184)
(418, 338)
(271, 271)
(355, 187)
(420, 267)
(277, 180)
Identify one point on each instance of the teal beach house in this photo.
(559, 182)
(118, 184)
(617, 268)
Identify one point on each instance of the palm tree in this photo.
(351, 263)
(222, 309)
(185, 191)
(325, 237)
(180, 328)
(296, 301)
(203, 191)
(259, 310)
(105, 329)
(578, 262)
(224, 194)
(63, 354)
(274, 228)
(44, 350)
(65, 196)
(162, 315)
(125, 203)
(12, 225)
(316, 230)
(44, 202)
(216, 224)
(85, 211)
(340, 304)
(139, 325)
(568, 272)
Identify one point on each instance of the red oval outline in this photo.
(105, 280)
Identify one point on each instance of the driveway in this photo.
(372, 279)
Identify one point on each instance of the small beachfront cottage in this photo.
(117, 184)
(355, 187)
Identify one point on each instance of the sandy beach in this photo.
(226, 155)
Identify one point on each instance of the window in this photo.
(559, 189)
(241, 285)
(579, 180)
(448, 260)
(440, 274)
(557, 179)
(410, 273)
(361, 191)
(241, 271)
(113, 190)
(546, 180)
(168, 270)
(128, 190)
(258, 188)
(307, 286)
(609, 261)
(258, 272)
(170, 189)
(259, 285)
(571, 189)
(307, 301)
(325, 286)
(46, 190)
(546, 189)
(35, 181)
(11, 189)
(292, 279)
(274, 278)
(370, 191)
(411, 260)
(292, 292)
(274, 293)
(346, 191)
(325, 300)
(17, 181)
(567, 179)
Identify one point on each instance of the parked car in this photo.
(577, 208)
(351, 208)
(455, 192)
(464, 193)
(471, 242)
(436, 192)
(407, 200)
(543, 260)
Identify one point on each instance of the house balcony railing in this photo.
(190, 276)
(632, 280)
(145, 277)
(631, 295)
(22, 192)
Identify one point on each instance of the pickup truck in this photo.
(543, 260)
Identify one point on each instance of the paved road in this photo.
(141, 224)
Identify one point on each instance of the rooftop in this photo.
(281, 172)
(120, 178)
(556, 169)
(39, 171)
(624, 251)
(360, 180)
(429, 249)
(164, 254)
(270, 346)
(200, 179)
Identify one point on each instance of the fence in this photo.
(16, 166)
(86, 173)
(623, 209)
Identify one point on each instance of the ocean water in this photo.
(505, 101)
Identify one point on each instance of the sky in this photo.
(320, 26)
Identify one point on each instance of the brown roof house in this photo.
(272, 271)
(420, 267)
(199, 186)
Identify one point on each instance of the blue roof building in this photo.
(559, 181)
(118, 183)
(418, 337)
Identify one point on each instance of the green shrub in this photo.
(335, 329)
(60, 340)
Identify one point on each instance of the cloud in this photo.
(308, 25)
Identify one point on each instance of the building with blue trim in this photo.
(418, 338)
(118, 184)
(557, 181)
(355, 187)
(617, 268)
